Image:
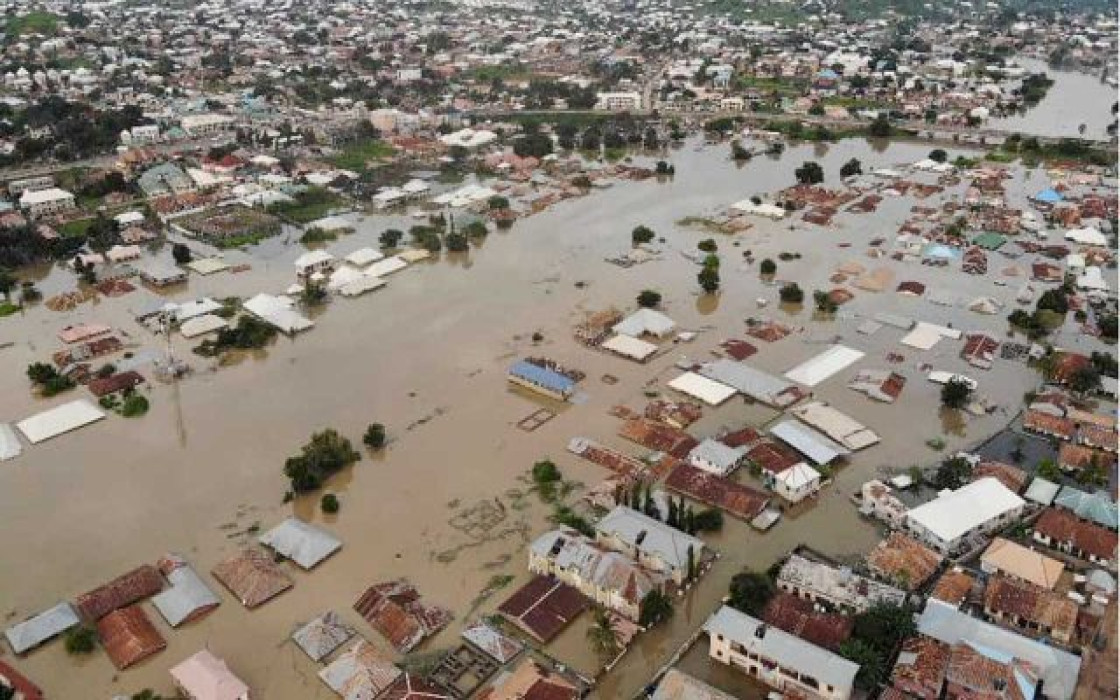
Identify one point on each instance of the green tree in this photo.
(181, 253)
(791, 294)
(709, 520)
(649, 298)
(824, 302)
(329, 503)
(641, 234)
(326, 453)
(7, 282)
(952, 473)
(655, 608)
(871, 665)
(390, 238)
(955, 393)
(751, 591)
(881, 127)
(810, 173)
(708, 278)
(1085, 380)
(852, 167)
(938, 155)
(602, 636)
(374, 437)
(707, 245)
(884, 626)
(768, 267)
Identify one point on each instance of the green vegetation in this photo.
(81, 639)
(37, 22)
(641, 234)
(810, 173)
(7, 308)
(134, 406)
(181, 254)
(315, 235)
(876, 636)
(329, 503)
(565, 516)
(325, 454)
(851, 168)
(708, 277)
(307, 206)
(953, 473)
(1076, 150)
(249, 333)
(791, 294)
(824, 302)
(955, 394)
(655, 608)
(547, 480)
(1048, 469)
(357, 156)
(707, 520)
(390, 238)
(601, 635)
(707, 245)
(476, 229)
(768, 267)
(750, 592)
(374, 437)
(47, 379)
(649, 298)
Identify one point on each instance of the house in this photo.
(619, 101)
(301, 542)
(903, 560)
(1015, 560)
(161, 274)
(42, 627)
(314, 261)
(877, 500)
(541, 380)
(118, 383)
(252, 577)
(954, 587)
(715, 457)
(530, 680)
(543, 607)
(321, 636)
(778, 659)
(1062, 530)
(840, 588)
(1044, 423)
(650, 542)
(796, 483)
(499, 647)
(126, 589)
(198, 125)
(20, 687)
(1058, 670)
(206, 677)
(362, 671)
(920, 669)
(188, 598)
(645, 322)
(978, 671)
(1038, 611)
(128, 636)
(396, 610)
(608, 578)
(39, 203)
(950, 521)
(1096, 507)
(1011, 477)
(804, 619)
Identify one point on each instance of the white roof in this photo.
(1087, 236)
(208, 266)
(35, 630)
(188, 594)
(311, 258)
(364, 256)
(798, 476)
(839, 426)
(388, 266)
(206, 677)
(58, 420)
(301, 542)
(277, 311)
(51, 194)
(9, 443)
(818, 448)
(817, 369)
(925, 335)
(954, 513)
(710, 392)
(749, 381)
(766, 209)
(342, 277)
(331, 223)
(128, 218)
(194, 308)
(787, 650)
(629, 346)
(361, 286)
(201, 325)
(650, 536)
(645, 321)
(413, 255)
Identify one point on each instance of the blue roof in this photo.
(1048, 195)
(542, 376)
(828, 73)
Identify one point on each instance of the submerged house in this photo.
(542, 380)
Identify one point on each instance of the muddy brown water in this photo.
(426, 356)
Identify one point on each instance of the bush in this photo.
(768, 267)
(810, 173)
(81, 639)
(938, 155)
(390, 238)
(476, 229)
(374, 437)
(791, 294)
(955, 394)
(648, 298)
(709, 279)
(708, 520)
(181, 253)
(326, 453)
(329, 503)
(134, 405)
(707, 245)
(641, 234)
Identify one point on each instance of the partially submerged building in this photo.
(301, 542)
(650, 542)
(188, 598)
(252, 577)
(839, 587)
(951, 520)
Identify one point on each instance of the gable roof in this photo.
(321, 636)
(39, 628)
(1019, 561)
(252, 577)
(301, 542)
(188, 598)
(206, 677)
(952, 515)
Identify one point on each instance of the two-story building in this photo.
(650, 542)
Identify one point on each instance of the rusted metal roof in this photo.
(738, 500)
(394, 609)
(126, 589)
(129, 636)
(543, 607)
(252, 577)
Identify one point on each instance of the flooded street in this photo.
(427, 356)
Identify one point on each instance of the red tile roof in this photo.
(252, 577)
(1011, 477)
(1039, 422)
(1065, 527)
(904, 560)
(798, 617)
(953, 587)
(920, 669)
(1027, 601)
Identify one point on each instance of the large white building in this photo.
(979, 508)
(651, 542)
(39, 203)
(204, 124)
(778, 659)
(619, 101)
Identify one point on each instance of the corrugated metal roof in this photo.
(323, 635)
(129, 636)
(187, 599)
(542, 376)
(46, 625)
(301, 542)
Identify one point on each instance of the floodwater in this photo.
(1073, 100)
(427, 357)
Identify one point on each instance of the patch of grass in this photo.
(357, 156)
(310, 205)
(77, 227)
(33, 23)
(7, 308)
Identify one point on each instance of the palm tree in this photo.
(601, 635)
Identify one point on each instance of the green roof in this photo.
(989, 240)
